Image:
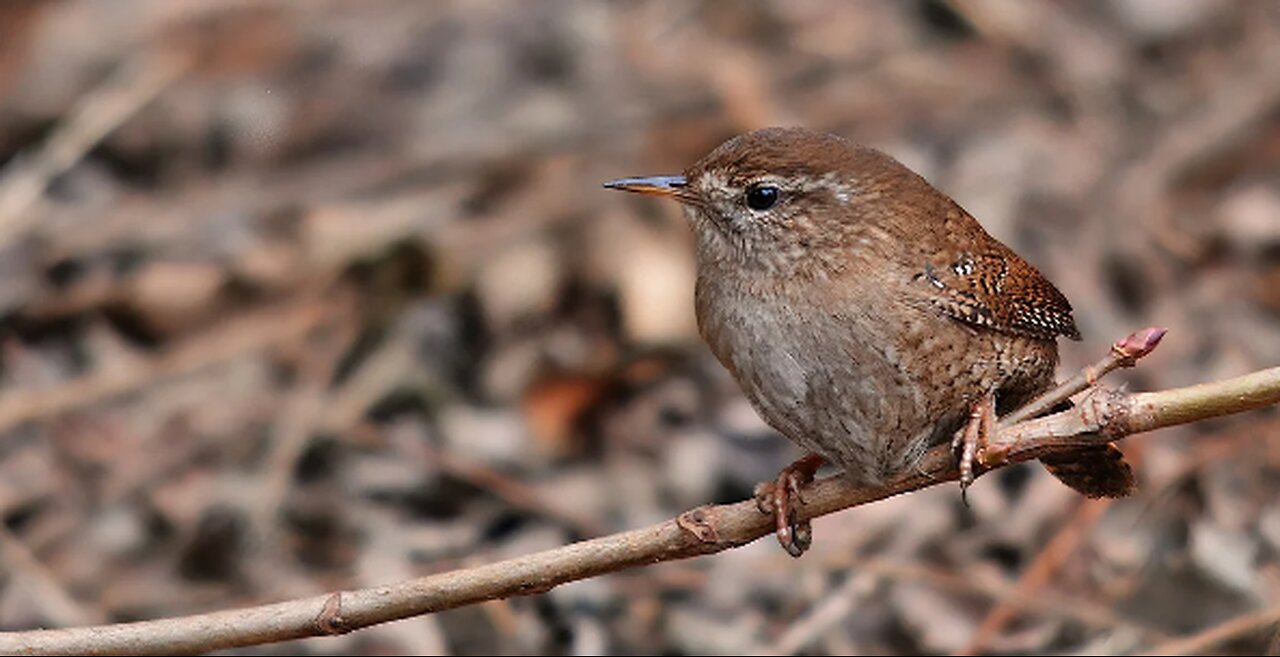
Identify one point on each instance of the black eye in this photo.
(762, 197)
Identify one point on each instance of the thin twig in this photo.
(512, 491)
(96, 115)
(1124, 353)
(1206, 641)
(1043, 603)
(837, 605)
(834, 607)
(247, 333)
(705, 530)
(1037, 575)
(297, 422)
(49, 595)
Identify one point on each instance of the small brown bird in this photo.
(865, 314)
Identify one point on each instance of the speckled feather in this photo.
(999, 290)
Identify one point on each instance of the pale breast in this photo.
(821, 378)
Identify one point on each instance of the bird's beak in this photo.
(676, 187)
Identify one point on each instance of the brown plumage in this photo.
(864, 313)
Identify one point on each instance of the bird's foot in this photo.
(971, 443)
(777, 497)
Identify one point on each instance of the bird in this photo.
(865, 314)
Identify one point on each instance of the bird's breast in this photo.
(761, 338)
(817, 373)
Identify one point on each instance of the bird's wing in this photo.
(997, 289)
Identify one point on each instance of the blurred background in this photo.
(300, 296)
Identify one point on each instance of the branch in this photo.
(1103, 416)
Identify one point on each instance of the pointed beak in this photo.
(671, 186)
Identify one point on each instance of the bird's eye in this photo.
(762, 197)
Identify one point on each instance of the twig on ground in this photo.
(1212, 638)
(1043, 603)
(247, 333)
(295, 427)
(834, 607)
(97, 115)
(44, 588)
(1037, 574)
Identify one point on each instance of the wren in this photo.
(865, 314)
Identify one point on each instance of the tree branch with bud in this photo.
(1101, 416)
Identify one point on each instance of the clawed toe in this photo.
(777, 498)
(972, 441)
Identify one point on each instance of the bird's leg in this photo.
(775, 497)
(972, 441)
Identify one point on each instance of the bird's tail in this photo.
(1093, 471)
